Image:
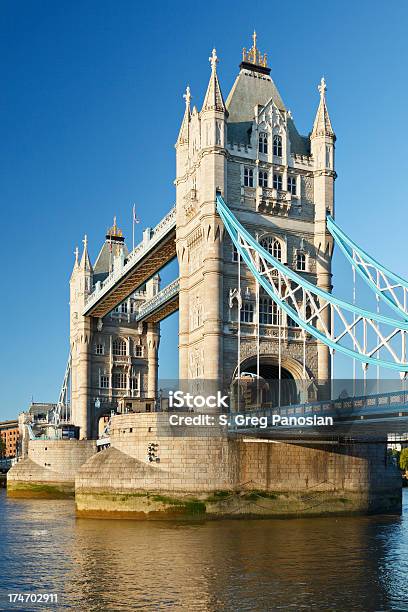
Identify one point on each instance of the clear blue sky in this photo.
(90, 107)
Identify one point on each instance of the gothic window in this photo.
(119, 347)
(277, 250)
(277, 181)
(277, 145)
(301, 261)
(119, 379)
(248, 177)
(99, 349)
(273, 247)
(124, 307)
(275, 314)
(265, 311)
(247, 312)
(104, 382)
(292, 184)
(263, 178)
(234, 253)
(263, 142)
(138, 350)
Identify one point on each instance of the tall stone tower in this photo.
(280, 185)
(114, 359)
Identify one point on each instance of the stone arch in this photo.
(293, 386)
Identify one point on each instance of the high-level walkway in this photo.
(147, 258)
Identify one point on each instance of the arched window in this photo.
(119, 347)
(277, 250)
(263, 142)
(273, 247)
(263, 178)
(247, 312)
(277, 145)
(248, 177)
(301, 261)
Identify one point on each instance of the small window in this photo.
(263, 142)
(134, 383)
(138, 350)
(277, 181)
(119, 347)
(277, 250)
(301, 261)
(119, 380)
(99, 349)
(247, 312)
(292, 184)
(248, 177)
(104, 382)
(124, 307)
(273, 247)
(265, 311)
(263, 178)
(277, 145)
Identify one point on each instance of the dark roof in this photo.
(102, 263)
(250, 90)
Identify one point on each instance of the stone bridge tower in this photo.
(280, 185)
(114, 359)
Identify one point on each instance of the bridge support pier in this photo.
(199, 472)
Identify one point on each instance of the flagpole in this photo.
(133, 228)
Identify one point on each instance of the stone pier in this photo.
(49, 469)
(213, 476)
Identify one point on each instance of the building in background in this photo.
(9, 436)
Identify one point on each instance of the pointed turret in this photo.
(185, 124)
(322, 125)
(213, 98)
(76, 263)
(85, 264)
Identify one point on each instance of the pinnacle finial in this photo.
(254, 56)
(213, 59)
(322, 87)
(85, 241)
(187, 96)
(76, 253)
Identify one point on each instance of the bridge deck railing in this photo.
(162, 228)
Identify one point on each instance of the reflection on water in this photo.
(339, 564)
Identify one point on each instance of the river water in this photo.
(332, 564)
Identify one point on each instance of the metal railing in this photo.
(161, 298)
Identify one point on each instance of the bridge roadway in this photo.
(146, 259)
(369, 418)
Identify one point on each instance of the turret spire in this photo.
(213, 98)
(85, 261)
(322, 125)
(184, 129)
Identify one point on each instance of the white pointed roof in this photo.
(322, 125)
(213, 98)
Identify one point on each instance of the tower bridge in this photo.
(253, 232)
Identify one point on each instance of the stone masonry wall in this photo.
(213, 475)
(50, 468)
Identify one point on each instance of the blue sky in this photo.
(90, 106)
